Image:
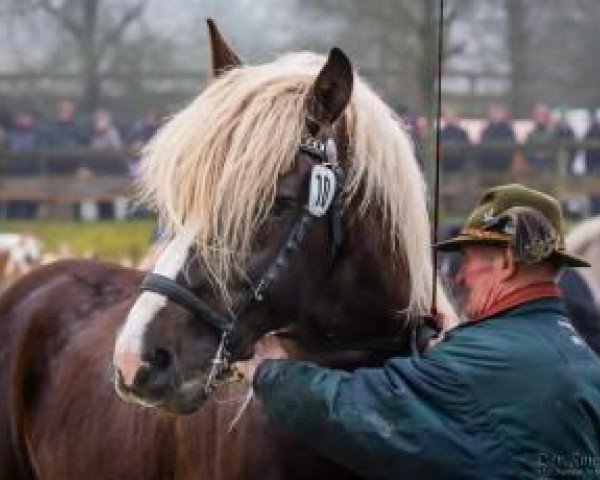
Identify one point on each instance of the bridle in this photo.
(324, 198)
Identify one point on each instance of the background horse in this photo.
(18, 255)
(584, 240)
(581, 286)
(235, 192)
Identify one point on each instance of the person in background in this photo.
(456, 138)
(564, 134)
(104, 133)
(144, 130)
(139, 136)
(499, 136)
(538, 152)
(592, 158)
(420, 132)
(65, 132)
(592, 151)
(5, 123)
(22, 135)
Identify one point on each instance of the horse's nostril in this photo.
(161, 359)
(142, 376)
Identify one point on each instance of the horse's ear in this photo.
(331, 91)
(223, 57)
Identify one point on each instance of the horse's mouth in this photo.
(184, 398)
(132, 398)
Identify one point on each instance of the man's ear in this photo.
(509, 264)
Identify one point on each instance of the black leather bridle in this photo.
(331, 205)
(323, 199)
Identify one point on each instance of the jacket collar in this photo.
(548, 304)
(518, 297)
(555, 304)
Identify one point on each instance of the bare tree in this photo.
(396, 36)
(518, 42)
(551, 47)
(96, 29)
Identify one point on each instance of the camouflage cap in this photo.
(527, 220)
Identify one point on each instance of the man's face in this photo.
(479, 278)
(498, 113)
(65, 111)
(541, 114)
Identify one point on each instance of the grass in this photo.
(109, 240)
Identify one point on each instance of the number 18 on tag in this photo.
(322, 190)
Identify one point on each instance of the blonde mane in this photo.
(214, 166)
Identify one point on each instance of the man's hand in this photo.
(268, 347)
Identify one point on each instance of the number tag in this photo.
(322, 190)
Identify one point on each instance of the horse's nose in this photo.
(148, 373)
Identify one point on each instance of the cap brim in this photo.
(570, 260)
(460, 241)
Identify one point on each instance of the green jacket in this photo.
(514, 396)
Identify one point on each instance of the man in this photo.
(513, 392)
(592, 158)
(497, 140)
(564, 135)
(65, 132)
(105, 134)
(455, 137)
(539, 155)
(23, 135)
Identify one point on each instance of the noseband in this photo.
(326, 184)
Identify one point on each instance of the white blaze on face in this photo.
(128, 347)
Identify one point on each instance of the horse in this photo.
(581, 286)
(290, 185)
(584, 240)
(19, 253)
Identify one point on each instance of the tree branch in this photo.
(69, 24)
(404, 12)
(115, 34)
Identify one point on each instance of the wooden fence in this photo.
(73, 183)
(561, 169)
(66, 183)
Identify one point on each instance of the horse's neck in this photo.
(375, 284)
(361, 313)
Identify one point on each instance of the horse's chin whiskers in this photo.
(193, 385)
(242, 409)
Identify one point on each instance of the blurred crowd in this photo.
(499, 147)
(497, 138)
(502, 144)
(24, 131)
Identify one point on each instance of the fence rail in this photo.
(66, 162)
(81, 176)
(569, 170)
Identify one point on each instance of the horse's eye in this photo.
(281, 206)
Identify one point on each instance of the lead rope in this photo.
(436, 205)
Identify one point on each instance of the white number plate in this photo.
(322, 190)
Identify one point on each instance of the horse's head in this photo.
(277, 222)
